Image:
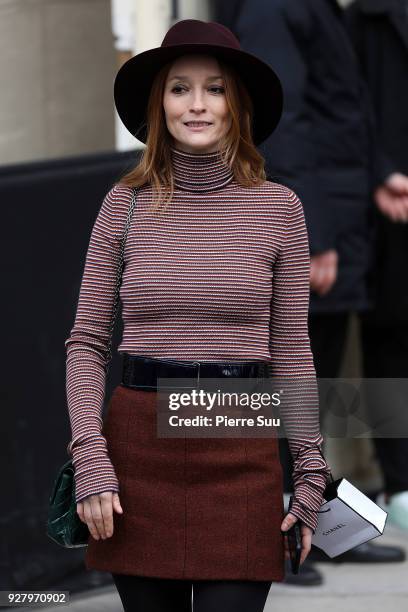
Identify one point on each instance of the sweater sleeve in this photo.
(86, 355)
(292, 362)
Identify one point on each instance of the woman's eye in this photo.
(217, 88)
(177, 87)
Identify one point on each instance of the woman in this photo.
(215, 284)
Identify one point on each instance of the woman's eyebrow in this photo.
(186, 78)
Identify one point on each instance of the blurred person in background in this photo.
(379, 31)
(326, 148)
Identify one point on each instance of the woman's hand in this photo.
(306, 534)
(392, 197)
(323, 271)
(97, 512)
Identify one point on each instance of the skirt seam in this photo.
(185, 506)
(247, 503)
(127, 470)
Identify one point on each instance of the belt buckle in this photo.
(198, 373)
(196, 377)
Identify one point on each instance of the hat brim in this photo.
(134, 80)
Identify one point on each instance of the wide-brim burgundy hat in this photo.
(134, 80)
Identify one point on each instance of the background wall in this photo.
(57, 65)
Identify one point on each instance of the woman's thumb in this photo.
(116, 503)
(288, 521)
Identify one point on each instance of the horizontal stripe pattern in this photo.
(223, 274)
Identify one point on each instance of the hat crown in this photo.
(196, 32)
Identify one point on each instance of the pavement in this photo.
(347, 587)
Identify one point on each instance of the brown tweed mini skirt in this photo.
(193, 508)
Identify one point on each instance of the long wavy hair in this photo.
(236, 148)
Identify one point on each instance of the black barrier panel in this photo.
(48, 210)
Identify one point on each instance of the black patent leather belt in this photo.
(141, 372)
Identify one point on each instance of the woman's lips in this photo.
(197, 127)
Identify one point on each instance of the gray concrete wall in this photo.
(57, 65)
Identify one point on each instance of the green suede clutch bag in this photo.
(64, 525)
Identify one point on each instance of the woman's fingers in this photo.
(89, 518)
(306, 536)
(286, 547)
(116, 503)
(323, 271)
(97, 512)
(320, 282)
(97, 515)
(286, 524)
(306, 533)
(80, 511)
(105, 505)
(305, 548)
(289, 520)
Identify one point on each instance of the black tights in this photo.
(147, 594)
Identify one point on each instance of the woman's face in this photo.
(194, 103)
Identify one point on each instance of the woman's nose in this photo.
(198, 101)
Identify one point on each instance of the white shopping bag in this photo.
(347, 518)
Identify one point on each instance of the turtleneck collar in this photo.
(199, 172)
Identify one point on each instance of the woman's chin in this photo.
(197, 141)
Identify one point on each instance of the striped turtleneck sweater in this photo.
(222, 275)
